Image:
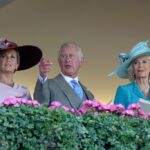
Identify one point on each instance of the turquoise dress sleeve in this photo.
(128, 94)
(120, 97)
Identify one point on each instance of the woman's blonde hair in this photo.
(130, 73)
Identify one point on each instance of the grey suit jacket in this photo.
(58, 89)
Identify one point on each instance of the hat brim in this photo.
(122, 70)
(29, 56)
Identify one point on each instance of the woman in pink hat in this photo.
(135, 66)
(15, 58)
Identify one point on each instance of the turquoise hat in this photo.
(140, 49)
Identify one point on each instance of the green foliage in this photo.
(39, 128)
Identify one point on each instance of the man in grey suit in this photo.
(60, 88)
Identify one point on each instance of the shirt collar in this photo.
(68, 79)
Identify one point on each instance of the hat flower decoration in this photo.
(4, 44)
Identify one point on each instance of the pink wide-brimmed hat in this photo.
(29, 55)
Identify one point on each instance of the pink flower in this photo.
(102, 108)
(54, 105)
(29, 102)
(87, 102)
(10, 101)
(112, 108)
(120, 107)
(92, 103)
(6, 102)
(69, 109)
(96, 103)
(24, 101)
(35, 103)
(65, 108)
(148, 115)
(134, 106)
(83, 110)
(141, 114)
(128, 113)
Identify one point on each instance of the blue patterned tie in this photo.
(77, 88)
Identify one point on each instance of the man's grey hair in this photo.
(71, 44)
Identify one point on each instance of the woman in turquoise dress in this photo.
(134, 66)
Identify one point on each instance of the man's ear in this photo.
(82, 61)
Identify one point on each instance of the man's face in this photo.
(70, 61)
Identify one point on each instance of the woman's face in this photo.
(8, 61)
(141, 67)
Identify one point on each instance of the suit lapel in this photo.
(87, 92)
(68, 92)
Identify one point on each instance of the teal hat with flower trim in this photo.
(140, 49)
